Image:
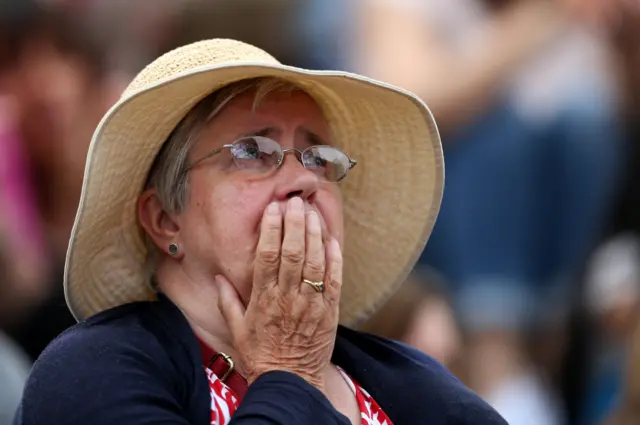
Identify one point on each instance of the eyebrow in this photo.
(263, 132)
(313, 138)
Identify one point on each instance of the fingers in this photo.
(303, 341)
(314, 263)
(293, 247)
(230, 305)
(267, 264)
(300, 255)
(333, 278)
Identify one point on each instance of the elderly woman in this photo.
(225, 231)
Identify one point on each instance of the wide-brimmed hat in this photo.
(390, 200)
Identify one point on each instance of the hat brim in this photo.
(390, 200)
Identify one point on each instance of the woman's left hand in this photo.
(287, 325)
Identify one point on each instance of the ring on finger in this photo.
(317, 286)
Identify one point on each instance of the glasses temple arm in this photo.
(204, 158)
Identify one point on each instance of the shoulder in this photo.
(375, 345)
(110, 361)
(434, 386)
(104, 340)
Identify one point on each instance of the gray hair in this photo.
(167, 175)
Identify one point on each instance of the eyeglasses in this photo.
(261, 154)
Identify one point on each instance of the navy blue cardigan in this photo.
(140, 364)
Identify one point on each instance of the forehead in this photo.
(284, 110)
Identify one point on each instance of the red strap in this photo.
(219, 364)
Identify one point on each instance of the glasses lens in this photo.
(256, 153)
(327, 162)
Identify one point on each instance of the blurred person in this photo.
(22, 253)
(14, 369)
(420, 314)
(221, 201)
(145, 28)
(613, 298)
(53, 94)
(267, 25)
(627, 411)
(528, 105)
(614, 283)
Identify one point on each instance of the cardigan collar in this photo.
(398, 382)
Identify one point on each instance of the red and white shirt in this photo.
(224, 401)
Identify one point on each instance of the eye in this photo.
(318, 161)
(327, 162)
(256, 153)
(250, 152)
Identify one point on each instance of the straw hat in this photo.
(390, 200)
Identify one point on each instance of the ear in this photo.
(157, 223)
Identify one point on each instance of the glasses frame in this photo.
(352, 162)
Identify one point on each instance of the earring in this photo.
(173, 248)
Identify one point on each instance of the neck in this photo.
(198, 301)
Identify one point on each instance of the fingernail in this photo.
(273, 209)
(295, 204)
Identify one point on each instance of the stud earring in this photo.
(173, 248)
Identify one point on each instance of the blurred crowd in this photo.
(529, 289)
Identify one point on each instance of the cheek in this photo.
(330, 205)
(232, 213)
(227, 226)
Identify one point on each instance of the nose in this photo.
(295, 180)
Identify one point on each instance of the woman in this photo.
(206, 263)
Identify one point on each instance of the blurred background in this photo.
(529, 289)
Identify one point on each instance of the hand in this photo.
(287, 324)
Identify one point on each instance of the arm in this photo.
(395, 44)
(281, 398)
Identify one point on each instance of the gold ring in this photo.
(318, 286)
